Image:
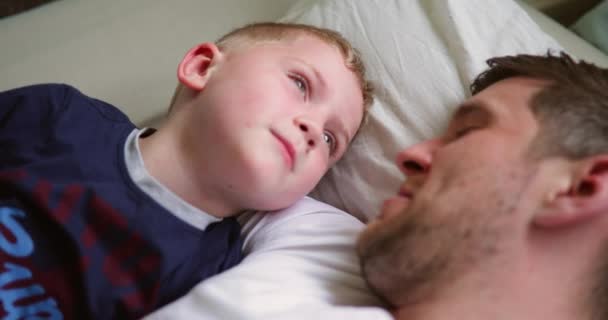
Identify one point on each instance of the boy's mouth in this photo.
(289, 150)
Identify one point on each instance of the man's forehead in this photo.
(513, 86)
(501, 93)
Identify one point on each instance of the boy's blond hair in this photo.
(263, 32)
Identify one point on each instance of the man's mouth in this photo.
(289, 150)
(397, 204)
(404, 192)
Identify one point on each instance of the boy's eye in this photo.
(330, 140)
(301, 83)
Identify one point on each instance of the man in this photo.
(504, 216)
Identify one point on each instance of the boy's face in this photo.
(271, 119)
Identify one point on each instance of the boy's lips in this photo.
(290, 151)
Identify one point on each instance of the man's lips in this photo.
(403, 192)
(290, 151)
(395, 205)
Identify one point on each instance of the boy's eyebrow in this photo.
(319, 76)
(346, 136)
(315, 72)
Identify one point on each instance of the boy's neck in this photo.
(165, 161)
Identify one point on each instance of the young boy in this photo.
(101, 220)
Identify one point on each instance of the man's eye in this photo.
(464, 131)
(330, 140)
(301, 83)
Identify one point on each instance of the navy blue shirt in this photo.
(78, 238)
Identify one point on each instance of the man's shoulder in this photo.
(305, 223)
(305, 211)
(311, 247)
(308, 205)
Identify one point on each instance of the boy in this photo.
(101, 220)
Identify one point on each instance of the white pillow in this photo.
(421, 55)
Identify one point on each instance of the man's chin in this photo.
(372, 237)
(365, 239)
(393, 207)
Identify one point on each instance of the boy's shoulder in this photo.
(50, 98)
(54, 117)
(55, 92)
(43, 88)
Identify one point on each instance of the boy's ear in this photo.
(586, 196)
(198, 65)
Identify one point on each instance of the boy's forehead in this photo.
(316, 54)
(298, 39)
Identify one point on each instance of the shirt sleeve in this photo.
(27, 116)
(30, 104)
(300, 264)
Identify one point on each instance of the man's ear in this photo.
(585, 198)
(198, 65)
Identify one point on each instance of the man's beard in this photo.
(415, 255)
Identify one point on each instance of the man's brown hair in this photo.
(572, 109)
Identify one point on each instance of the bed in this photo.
(421, 55)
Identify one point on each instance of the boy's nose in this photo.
(418, 158)
(310, 130)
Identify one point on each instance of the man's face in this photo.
(466, 202)
(273, 118)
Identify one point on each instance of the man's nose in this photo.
(310, 129)
(418, 158)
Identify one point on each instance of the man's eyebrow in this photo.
(470, 108)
